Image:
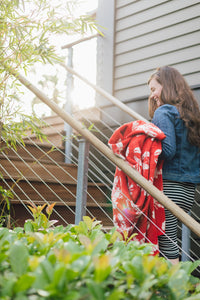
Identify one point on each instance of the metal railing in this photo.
(187, 220)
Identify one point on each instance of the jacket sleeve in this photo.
(164, 119)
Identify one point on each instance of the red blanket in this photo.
(135, 211)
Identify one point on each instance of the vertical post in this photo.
(82, 180)
(68, 108)
(185, 242)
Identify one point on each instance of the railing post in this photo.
(185, 242)
(68, 109)
(82, 180)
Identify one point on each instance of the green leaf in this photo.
(44, 275)
(4, 234)
(47, 269)
(24, 283)
(6, 285)
(116, 295)
(85, 241)
(80, 264)
(178, 283)
(88, 221)
(73, 247)
(59, 278)
(102, 268)
(189, 266)
(101, 246)
(72, 295)
(81, 228)
(3, 256)
(28, 226)
(19, 258)
(195, 297)
(136, 268)
(96, 290)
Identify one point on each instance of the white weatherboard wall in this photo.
(148, 34)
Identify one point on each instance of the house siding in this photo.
(149, 34)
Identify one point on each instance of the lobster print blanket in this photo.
(135, 211)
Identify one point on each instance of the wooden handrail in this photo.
(131, 172)
(84, 39)
(102, 92)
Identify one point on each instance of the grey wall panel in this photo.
(166, 23)
(191, 57)
(169, 46)
(186, 68)
(159, 11)
(152, 33)
(122, 3)
(133, 92)
(148, 34)
(142, 90)
(186, 60)
(190, 28)
(130, 7)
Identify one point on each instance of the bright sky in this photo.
(88, 5)
(84, 60)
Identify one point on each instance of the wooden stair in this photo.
(46, 181)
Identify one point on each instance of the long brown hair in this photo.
(176, 91)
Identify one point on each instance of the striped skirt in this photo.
(181, 194)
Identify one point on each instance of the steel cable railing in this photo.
(100, 151)
(49, 157)
(110, 182)
(193, 240)
(93, 164)
(23, 176)
(48, 202)
(98, 161)
(16, 183)
(75, 73)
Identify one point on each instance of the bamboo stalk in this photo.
(131, 172)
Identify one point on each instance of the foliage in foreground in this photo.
(82, 262)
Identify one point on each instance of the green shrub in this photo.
(81, 262)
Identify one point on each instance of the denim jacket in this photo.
(181, 159)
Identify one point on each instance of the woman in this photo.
(174, 109)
